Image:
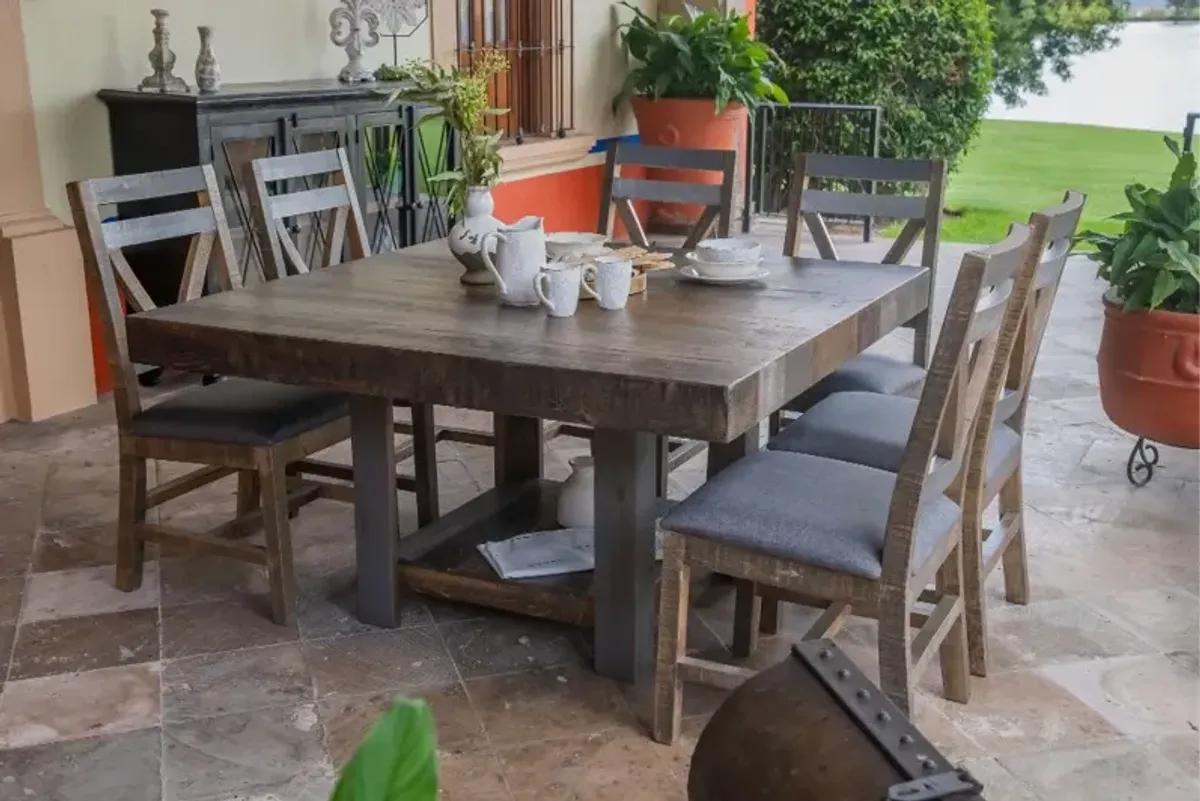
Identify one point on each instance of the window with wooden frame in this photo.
(538, 37)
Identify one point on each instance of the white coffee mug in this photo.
(557, 287)
(611, 277)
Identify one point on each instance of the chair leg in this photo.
(895, 650)
(1016, 560)
(770, 615)
(952, 653)
(672, 640)
(662, 465)
(974, 599)
(774, 424)
(131, 548)
(273, 479)
(249, 493)
(425, 461)
(747, 610)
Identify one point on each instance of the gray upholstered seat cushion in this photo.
(240, 411)
(872, 430)
(820, 512)
(867, 372)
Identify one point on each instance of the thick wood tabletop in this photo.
(684, 359)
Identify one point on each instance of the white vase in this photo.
(208, 71)
(576, 502)
(467, 236)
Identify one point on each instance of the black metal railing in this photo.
(1189, 130)
(779, 131)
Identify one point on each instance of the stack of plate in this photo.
(724, 261)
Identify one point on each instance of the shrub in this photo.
(927, 62)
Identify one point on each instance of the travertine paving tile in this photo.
(220, 626)
(74, 705)
(237, 681)
(85, 591)
(1165, 617)
(76, 644)
(1054, 632)
(506, 644)
(361, 664)
(121, 766)
(1119, 771)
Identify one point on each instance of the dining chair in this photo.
(922, 215)
(255, 429)
(871, 429)
(317, 188)
(622, 192)
(854, 538)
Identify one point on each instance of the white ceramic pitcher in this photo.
(520, 256)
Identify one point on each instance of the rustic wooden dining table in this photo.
(683, 359)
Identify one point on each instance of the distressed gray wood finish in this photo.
(682, 360)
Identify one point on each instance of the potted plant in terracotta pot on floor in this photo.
(1149, 356)
(693, 80)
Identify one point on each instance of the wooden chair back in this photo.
(982, 320)
(318, 185)
(621, 193)
(921, 213)
(210, 260)
(1006, 395)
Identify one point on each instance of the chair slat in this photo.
(861, 204)
(145, 186)
(869, 168)
(157, 227)
(671, 157)
(135, 293)
(299, 165)
(309, 201)
(666, 191)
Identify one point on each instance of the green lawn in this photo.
(1016, 167)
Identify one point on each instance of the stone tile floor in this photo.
(183, 691)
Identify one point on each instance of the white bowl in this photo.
(573, 244)
(728, 251)
(723, 270)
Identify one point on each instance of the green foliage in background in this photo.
(1032, 37)
(699, 54)
(397, 761)
(1154, 263)
(929, 64)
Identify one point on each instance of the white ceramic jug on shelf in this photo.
(520, 256)
(576, 503)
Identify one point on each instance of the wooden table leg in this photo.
(376, 528)
(520, 449)
(626, 492)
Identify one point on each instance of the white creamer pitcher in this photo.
(520, 256)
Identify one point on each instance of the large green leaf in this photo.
(1165, 285)
(397, 761)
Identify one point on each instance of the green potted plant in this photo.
(397, 761)
(1149, 358)
(693, 79)
(461, 96)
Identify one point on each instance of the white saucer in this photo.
(688, 273)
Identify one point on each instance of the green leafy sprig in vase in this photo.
(397, 761)
(461, 97)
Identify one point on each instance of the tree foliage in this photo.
(928, 63)
(1033, 36)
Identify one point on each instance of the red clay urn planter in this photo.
(1149, 358)
(693, 80)
(1150, 373)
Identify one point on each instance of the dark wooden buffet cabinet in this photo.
(392, 149)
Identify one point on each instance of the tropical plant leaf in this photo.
(397, 761)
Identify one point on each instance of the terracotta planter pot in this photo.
(692, 123)
(1150, 374)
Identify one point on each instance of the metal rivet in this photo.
(883, 717)
(862, 695)
(843, 674)
(906, 739)
(826, 654)
(928, 765)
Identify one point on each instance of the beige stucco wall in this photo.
(76, 47)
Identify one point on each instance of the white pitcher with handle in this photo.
(520, 257)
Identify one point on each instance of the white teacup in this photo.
(557, 288)
(611, 277)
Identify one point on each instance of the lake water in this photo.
(1151, 80)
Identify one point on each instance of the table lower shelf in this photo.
(442, 560)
